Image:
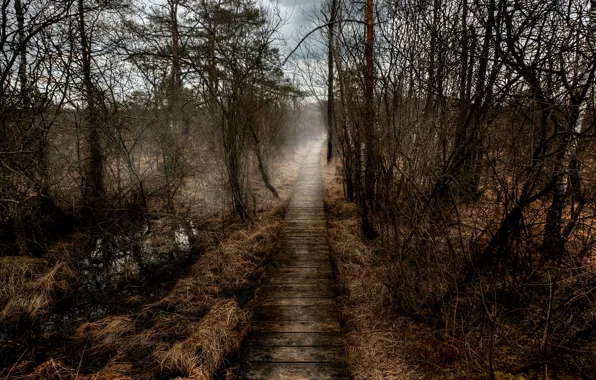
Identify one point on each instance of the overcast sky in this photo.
(297, 15)
(293, 10)
(298, 12)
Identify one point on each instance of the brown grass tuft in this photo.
(217, 334)
(109, 333)
(113, 371)
(52, 370)
(229, 267)
(33, 294)
(16, 272)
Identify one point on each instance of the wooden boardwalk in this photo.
(296, 332)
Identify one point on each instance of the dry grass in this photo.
(28, 287)
(52, 369)
(228, 268)
(217, 334)
(190, 331)
(375, 338)
(170, 336)
(110, 332)
(16, 272)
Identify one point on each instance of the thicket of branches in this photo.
(466, 135)
(111, 109)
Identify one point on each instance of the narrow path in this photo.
(296, 332)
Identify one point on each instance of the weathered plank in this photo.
(319, 354)
(302, 339)
(309, 287)
(269, 293)
(302, 255)
(304, 278)
(316, 313)
(288, 263)
(302, 301)
(303, 249)
(275, 272)
(295, 371)
(296, 326)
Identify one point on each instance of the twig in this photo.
(15, 363)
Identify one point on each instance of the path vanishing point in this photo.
(296, 332)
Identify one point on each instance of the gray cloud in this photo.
(298, 14)
(298, 3)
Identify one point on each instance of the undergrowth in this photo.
(391, 334)
(187, 333)
(375, 336)
(163, 318)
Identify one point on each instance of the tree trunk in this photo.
(553, 244)
(431, 80)
(20, 14)
(232, 138)
(93, 177)
(464, 56)
(330, 79)
(369, 127)
(348, 144)
(170, 144)
(175, 80)
(265, 174)
(259, 153)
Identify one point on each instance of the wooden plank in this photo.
(317, 213)
(304, 231)
(297, 247)
(306, 227)
(304, 241)
(297, 301)
(298, 253)
(296, 326)
(318, 280)
(304, 339)
(294, 371)
(275, 272)
(269, 354)
(294, 287)
(302, 275)
(301, 250)
(321, 224)
(304, 235)
(288, 263)
(316, 313)
(267, 294)
(318, 216)
(313, 257)
(305, 256)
